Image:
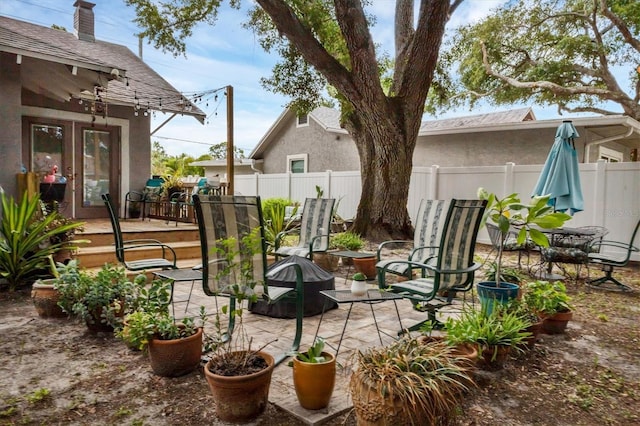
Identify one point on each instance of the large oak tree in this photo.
(576, 54)
(329, 42)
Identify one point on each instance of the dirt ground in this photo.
(53, 372)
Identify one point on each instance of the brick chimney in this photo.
(83, 21)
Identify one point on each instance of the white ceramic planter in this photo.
(358, 288)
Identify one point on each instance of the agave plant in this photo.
(27, 238)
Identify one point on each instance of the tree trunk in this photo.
(385, 148)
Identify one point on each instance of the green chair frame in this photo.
(224, 216)
(429, 225)
(608, 261)
(451, 270)
(167, 261)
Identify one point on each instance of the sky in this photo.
(218, 56)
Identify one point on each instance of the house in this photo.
(316, 142)
(80, 105)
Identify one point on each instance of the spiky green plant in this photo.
(26, 238)
(423, 383)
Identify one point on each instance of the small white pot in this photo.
(358, 288)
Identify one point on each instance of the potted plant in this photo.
(26, 239)
(495, 334)
(239, 376)
(359, 284)
(349, 241)
(407, 383)
(64, 241)
(44, 294)
(509, 214)
(314, 376)
(174, 348)
(99, 299)
(172, 184)
(551, 301)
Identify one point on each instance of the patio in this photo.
(360, 334)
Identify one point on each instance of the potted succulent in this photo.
(26, 239)
(407, 383)
(239, 376)
(509, 214)
(314, 376)
(174, 348)
(495, 334)
(359, 284)
(551, 301)
(99, 299)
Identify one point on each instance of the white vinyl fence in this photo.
(611, 190)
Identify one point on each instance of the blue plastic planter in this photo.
(489, 294)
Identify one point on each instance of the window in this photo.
(303, 120)
(47, 142)
(610, 155)
(297, 163)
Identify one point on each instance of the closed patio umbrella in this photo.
(560, 177)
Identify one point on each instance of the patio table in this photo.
(371, 297)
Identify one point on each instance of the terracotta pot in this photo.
(556, 323)
(326, 261)
(535, 330)
(366, 265)
(314, 382)
(494, 357)
(241, 399)
(45, 299)
(466, 351)
(173, 358)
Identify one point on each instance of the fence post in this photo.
(433, 183)
(507, 183)
(599, 193)
(327, 185)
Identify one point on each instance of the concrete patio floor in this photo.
(360, 334)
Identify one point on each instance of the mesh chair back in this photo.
(316, 220)
(458, 242)
(430, 224)
(222, 217)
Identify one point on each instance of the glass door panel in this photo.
(96, 166)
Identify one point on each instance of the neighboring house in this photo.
(218, 168)
(315, 142)
(83, 105)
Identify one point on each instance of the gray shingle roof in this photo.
(510, 116)
(145, 86)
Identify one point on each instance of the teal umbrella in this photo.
(560, 177)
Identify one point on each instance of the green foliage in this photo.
(507, 275)
(38, 395)
(314, 353)
(428, 381)
(275, 222)
(347, 241)
(557, 53)
(359, 276)
(547, 297)
(86, 295)
(27, 238)
(219, 151)
(509, 213)
(501, 327)
(142, 326)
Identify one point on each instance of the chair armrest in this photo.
(418, 265)
(313, 241)
(134, 244)
(610, 243)
(382, 245)
(139, 194)
(281, 235)
(416, 249)
(299, 279)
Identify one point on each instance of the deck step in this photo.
(95, 256)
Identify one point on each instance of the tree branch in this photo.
(622, 27)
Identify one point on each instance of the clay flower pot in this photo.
(556, 323)
(45, 299)
(240, 399)
(173, 358)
